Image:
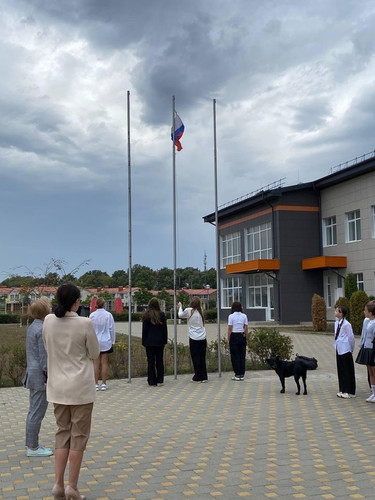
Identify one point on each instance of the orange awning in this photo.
(251, 266)
(324, 262)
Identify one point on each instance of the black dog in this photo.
(297, 368)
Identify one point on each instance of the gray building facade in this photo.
(280, 246)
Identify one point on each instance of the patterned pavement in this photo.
(222, 439)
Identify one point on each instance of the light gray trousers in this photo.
(37, 409)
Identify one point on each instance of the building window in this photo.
(373, 221)
(231, 290)
(328, 290)
(353, 226)
(230, 249)
(258, 242)
(258, 285)
(359, 278)
(329, 231)
(339, 281)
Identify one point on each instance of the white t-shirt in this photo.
(196, 328)
(237, 320)
(104, 325)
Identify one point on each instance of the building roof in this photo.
(341, 173)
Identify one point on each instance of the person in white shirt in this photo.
(344, 346)
(104, 325)
(237, 334)
(366, 347)
(197, 337)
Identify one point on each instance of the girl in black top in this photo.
(154, 338)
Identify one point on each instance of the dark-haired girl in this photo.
(237, 334)
(344, 345)
(71, 345)
(366, 347)
(154, 338)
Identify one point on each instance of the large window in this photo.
(231, 290)
(258, 285)
(328, 291)
(258, 242)
(359, 278)
(353, 226)
(230, 248)
(329, 231)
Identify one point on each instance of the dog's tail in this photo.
(309, 363)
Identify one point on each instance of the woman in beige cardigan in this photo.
(71, 345)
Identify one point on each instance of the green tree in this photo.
(357, 302)
(184, 298)
(142, 297)
(164, 278)
(119, 278)
(211, 277)
(350, 285)
(143, 277)
(164, 295)
(94, 279)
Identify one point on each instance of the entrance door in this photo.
(270, 311)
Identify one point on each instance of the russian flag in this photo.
(178, 132)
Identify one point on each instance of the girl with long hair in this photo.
(154, 338)
(197, 337)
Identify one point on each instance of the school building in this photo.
(282, 244)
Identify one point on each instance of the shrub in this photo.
(210, 315)
(266, 342)
(318, 313)
(124, 316)
(9, 318)
(350, 285)
(343, 301)
(357, 302)
(12, 364)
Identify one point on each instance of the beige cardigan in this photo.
(71, 345)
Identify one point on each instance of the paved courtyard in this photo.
(222, 439)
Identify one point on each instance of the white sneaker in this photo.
(371, 398)
(339, 394)
(345, 395)
(96, 387)
(104, 387)
(236, 378)
(352, 395)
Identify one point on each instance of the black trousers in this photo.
(237, 347)
(345, 372)
(198, 356)
(155, 364)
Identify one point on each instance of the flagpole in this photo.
(129, 242)
(217, 246)
(174, 235)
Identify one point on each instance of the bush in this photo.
(12, 364)
(319, 313)
(210, 315)
(124, 316)
(350, 285)
(266, 342)
(357, 302)
(9, 318)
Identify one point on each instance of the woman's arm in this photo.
(183, 313)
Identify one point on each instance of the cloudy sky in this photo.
(294, 85)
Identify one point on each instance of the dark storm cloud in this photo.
(294, 87)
